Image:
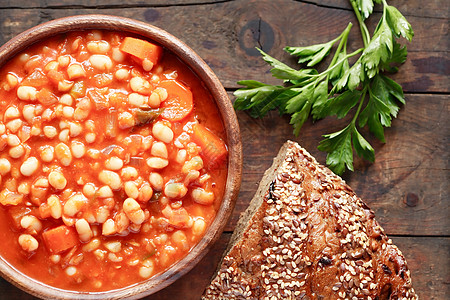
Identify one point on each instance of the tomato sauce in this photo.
(103, 181)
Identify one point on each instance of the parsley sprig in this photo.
(340, 87)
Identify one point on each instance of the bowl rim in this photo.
(229, 119)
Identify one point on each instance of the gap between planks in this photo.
(116, 6)
(232, 90)
(391, 235)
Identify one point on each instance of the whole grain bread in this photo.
(306, 235)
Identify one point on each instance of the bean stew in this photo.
(113, 160)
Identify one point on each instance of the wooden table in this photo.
(407, 186)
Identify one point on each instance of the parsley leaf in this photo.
(339, 148)
(314, 54)
(359, 89)
(283, 71)
(400, 26)
(382, 106)
(379, 49)
(362, 147)
(398, 57)
(365, 7)
(341, 105)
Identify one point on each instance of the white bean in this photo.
(131, 189)
(203, 197)
(68, 112)
(110, 178)
(98, 47)
(108, 227)
(26, 93)
(159, 149)
(156, 181)
(122, 74)
(75, 129)
(117, 55)
(29, 166)
(133, 211)
(70, 271)
(105, 192)
(47, 153)
(175, 190)
(31, 223)
(76, 71)
(17, 151)
(146, 272)
(90, 137)
(157, 162)
(66, 99)
(11, 113)
(5, 166)
(162, 132)
(63, 154)
(138, 84)
(129, 173)
(114, 246)
(136, 99)
(126, 120)
(89, 190)
(154, 100)
(50, 131)
(14, 125)
(28, 113)
(84, 230)
(198, 227)
(162, 92)
(78, 149)
(57, 180)
(28, 242)
(74, 204)
(55, 206)
(114, 163)
(101, 62)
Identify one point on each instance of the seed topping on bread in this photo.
(310, 237)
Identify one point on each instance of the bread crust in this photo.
(306, 235)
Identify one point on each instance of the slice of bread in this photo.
(306, 235)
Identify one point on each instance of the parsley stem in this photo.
(336, 64)
(385, 5)
(341, 43)
(362, 26)
(361, 101)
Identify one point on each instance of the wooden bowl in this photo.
(190, 58)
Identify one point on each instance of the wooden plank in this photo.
(427, 259)
(225, 35)
(407, 186)
(430, 9)
(429, 263)
(305, 24)
(99, 4)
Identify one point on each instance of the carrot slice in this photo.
(46, 98)
(60, 239)
(141, 49)
(17, 213)
(36, 79)
(179, 102)
(214, 150)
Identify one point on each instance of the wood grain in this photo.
(430, 9)
(227, 115)
(427, 259)
(225, 35)
(408, 185)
